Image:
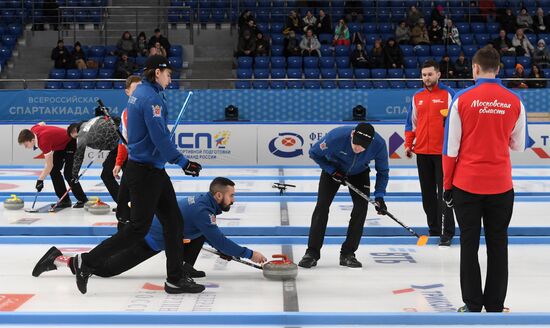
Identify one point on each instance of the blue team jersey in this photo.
(333, 152)
(199, 214)
(148, 136)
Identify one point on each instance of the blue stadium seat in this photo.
(311, 62)
(422, 50)
(109, 49)
(386, 28)
(277, 50)
(106, 73)
(260, 84)
(508, 61)
(176, 51)
(116, 85)
(363, 84)
(341, 51)
(325, 38)
(73, 74)
(176, 62)
(71, 85)
(395, 73)
(326, 50)
(87, 85)
(8, 40)
(493, 27)
(482, 39)
(328, 84)
(378, 73)
(277, 84)
(342, 62)
(244, 62)
(437, 50)
(398, 84)
(467, 39)
(328, 73)
(524, 61)
(410, 62)
(244, 73)
(53, 85)
(5, 52)
(294, 62)
(312, 84)
(242, 85)
(327, 62)
(294, 84)
(362, 73)
(278, 73)
(414, 84)
(370, 28)
(277, 39)
(57, 73)
(104, 85)
(423, 59)
(412, 73)
(294, 73)
(110, 62)
(96, 51)
(140, 61)
(278, 62)
(478, 28)
(509, 72)
(345, 73)
(261, 73)
(346, 84)
(311, 73)
(89, 73)
(463, 28)
(261, 62)
(532, 38)
(354, 27)
(380, 85)
(469, 50)
(276, 27)
(453, 50)
(407, 50)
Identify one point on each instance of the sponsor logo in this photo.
(157, 110)
(395, 142)
(287, 145)
(212, 218)
(394, 256)
(490, 107)
(204, 146)
(222, 138)
(433, 295)
(11, 302)
(438, 101)
(420, 102)
(323, 145)
(539, 151)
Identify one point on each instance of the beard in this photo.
(226, 207)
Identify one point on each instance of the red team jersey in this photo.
(50, 138)
(122, 152)
(485, 121)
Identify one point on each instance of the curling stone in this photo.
(91, 201)
(283, 269)
(14, 203)
(99, 208)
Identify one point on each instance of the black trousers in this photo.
(496, 212)
(63, 159)
(124, 260)
(107, 174)
(430, 174)
(123, 197)
(325, 195)
(151, 192)
(192, 249)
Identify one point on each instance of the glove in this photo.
(39, 185)
(409, 152)
(448, 198)
(226, 257)
(192, 169)
(381, 207)
(339, 177)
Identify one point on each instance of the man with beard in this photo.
(200, 225)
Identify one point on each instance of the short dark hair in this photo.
(25, 135)
(430, 63)
(132, 79)
(73, 126)
(219, 184)
(487, 58)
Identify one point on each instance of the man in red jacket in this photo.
(58, 149)
(424, 137)
(485, 122)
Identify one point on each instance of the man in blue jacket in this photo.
(151, 191)
(200, 225)
(344, 155)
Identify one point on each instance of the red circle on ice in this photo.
(288, 141)
(6, 186)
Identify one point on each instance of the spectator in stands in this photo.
(393, 53)
(341, 34)
(60, 56)
(310, 45)
(540, 22)
(519, 73)
(292, 45)
(142, 45)
(413, 16)
(508, 21)
(524, 20)
(378, 59)
(353, 9)
(126, 45)
(438, 15)
(293, 23)
(78, 57)
(450, 34)
(324, 24)
(403, 33)
(358, 38)
(536, 73)
(251, 27)
(463, 67)
(419, 33)
(522, 44)
(541, 55)
(446, 67)
(246, 45)
(152, 52)
(262, 45)
(309, 21)
(487, 10)
(436, 33)
(160, 50)
(124, 67)
(243, 19)
(503, 45)
(158, 37)
(359, 57)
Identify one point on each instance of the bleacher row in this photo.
(8, 40)
(107, 66)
